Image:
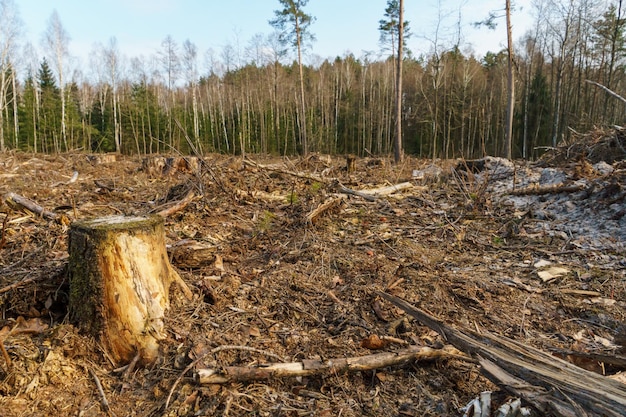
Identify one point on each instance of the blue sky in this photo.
(341, 25)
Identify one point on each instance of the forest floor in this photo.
(534, 252)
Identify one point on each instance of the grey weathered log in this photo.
(550, 384)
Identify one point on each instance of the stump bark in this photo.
(120, 277)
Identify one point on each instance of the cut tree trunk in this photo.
(120, 277)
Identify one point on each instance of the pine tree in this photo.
(389, 28)
(293, 24)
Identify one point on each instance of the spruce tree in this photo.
(50, 113)
(27, 115)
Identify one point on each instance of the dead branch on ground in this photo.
(230, 374)
(248, 161)
(342, 189)
(325, 206)
(17, 202)
(551, 189)
(178, 206)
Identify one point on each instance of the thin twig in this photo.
(5, 355)
(103, 398)
(131, 366)
(16, 284)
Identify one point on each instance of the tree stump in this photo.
(120, 277)
(350, 163)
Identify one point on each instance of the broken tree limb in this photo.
(17, 202)
(331, 366)
(342, 189)
(389, 189)
(192, 254)
(178, 206)
(262, 195)
(325, 206)
(372, 194)
(552, 189)
(248, 161)
(552, 385)
(611, 92)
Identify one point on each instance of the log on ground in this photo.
(553, 386)
(120, 277)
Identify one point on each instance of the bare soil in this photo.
(457, 244)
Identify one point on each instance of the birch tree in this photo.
(111, 57)
(562, 24)
(397, 148)
(508, 123)
(170, 63)
(56, 41)
(508, 140)
(9, 33)
(190, 65)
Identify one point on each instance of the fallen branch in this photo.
(250, 162)
(331, 366)
(17, 202)
(550, 384)
(617, 360)
(16, 285)
(178, 206)
(373, 193)
(212, 352)
(325, 206)
(103, 398)
(262, 195)
(390, 189)
(552, 189)
(342, 189)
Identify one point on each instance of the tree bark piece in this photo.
(120, 277)
(192, 254)
(178, 206)
(552, 385)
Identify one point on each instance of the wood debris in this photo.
(283, 263)
(550, 384)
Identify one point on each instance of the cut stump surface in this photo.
(120, 277)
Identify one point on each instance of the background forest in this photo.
(248, 100)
